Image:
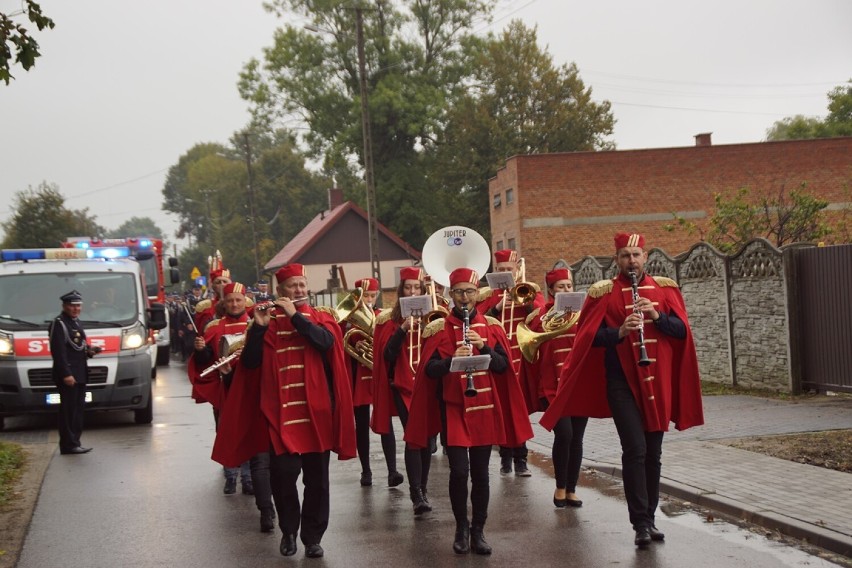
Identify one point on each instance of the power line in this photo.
(119, 184)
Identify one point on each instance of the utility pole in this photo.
(251, 207)
(372, 223)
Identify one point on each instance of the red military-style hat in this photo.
(219, 272)
(289, 271)
(506, 255)
(464, 275)
(367, 284)
(629, 240)
(234, 288)
(411, 273)
(556, 275)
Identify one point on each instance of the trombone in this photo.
(523, 294)
(440, 309)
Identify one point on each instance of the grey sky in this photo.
(124, 88)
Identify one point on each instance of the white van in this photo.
(116, 315)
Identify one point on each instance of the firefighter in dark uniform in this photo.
(70, 351)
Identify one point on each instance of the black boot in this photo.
(267, 523)
(506, 466)
(521, 469)
(477, 541)
(421, 505)
(462, 543)
(395, 478)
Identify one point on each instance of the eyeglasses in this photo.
(464, 291)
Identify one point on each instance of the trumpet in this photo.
(644, 361)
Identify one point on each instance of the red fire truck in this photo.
(160, 270)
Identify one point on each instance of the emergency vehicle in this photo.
(117, 316)
(158, 267)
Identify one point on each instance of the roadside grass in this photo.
(709, 388)
(12, 461)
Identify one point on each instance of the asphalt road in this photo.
(150, 496)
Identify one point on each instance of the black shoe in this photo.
(314, 551)
(248, 488)
(267, 524)
(366, 478)
(521, 469)
(643, 537)
(573, 502)
(560, 503)
(656, 534)
(288, 545)
(477, 541)
(77, 450)
(506, 466)
(421, 505)
(230, 487)
(395, 478)
(461, 545)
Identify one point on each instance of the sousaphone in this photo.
(454, 247)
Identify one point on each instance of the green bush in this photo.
(11, 464)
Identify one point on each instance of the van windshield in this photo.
(31, 301)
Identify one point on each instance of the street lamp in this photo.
(369, 180)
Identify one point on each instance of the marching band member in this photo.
(495, 415)
(541, 381)
(362, 396)
(397, 344)
(501, 305)
(293, 399)
(213, 388)
(206, 310)
(610, 373)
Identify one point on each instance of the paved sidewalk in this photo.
(801, 501)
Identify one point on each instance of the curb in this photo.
(812, 534)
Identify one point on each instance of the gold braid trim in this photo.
(433, 328)
(383, 317)
(484, 294)
(600, 288)
(210, 323)
(329, 310)
(666, 282)
(202, 305)
(493, 321)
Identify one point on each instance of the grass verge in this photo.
(11, 464)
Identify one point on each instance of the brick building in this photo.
(569, 205)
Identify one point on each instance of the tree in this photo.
(517, 102)
(137, 227)
(838, 122)
(17, 36)
(782, 218)
(40, 219)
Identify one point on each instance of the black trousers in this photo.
(640, 454)
(362, 440)
(260, 477)
(418, 461)
(72, 406)
(313, 513)
(473, 462)
(516, 454)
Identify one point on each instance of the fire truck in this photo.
(118, 318)
(157, 265)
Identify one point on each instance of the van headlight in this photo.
(7, 344)
(134, 337)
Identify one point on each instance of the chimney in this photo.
(703, 139)
(335, 197)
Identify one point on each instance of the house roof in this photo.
(319, 226)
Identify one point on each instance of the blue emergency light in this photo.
(63, 253)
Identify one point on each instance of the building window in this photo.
(496, 200)
(512, 244)
(499, 245)
(510, 196)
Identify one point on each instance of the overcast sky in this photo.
(124, 88)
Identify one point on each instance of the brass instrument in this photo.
(644, 361)
(440, 305)
(554, 324)
(363, 321)
(228, 346)
(522, 294)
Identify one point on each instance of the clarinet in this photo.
(470, 390)
(643, 354)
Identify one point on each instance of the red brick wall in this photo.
(602, 193)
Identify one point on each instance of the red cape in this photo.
(540, 379)
(668, 390)
(251, 419)
(210, 388)
(496, 415)
(403, 378)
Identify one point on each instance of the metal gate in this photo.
(821, 317)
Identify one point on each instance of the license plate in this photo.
(53, 397)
